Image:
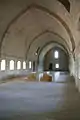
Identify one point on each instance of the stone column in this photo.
(26, 65)
(7, 64)
(15, 64)
(0, 64)
(21, 64)
(71, 65)
(78, 72)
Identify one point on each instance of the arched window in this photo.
(56, 54)
(18, 65)
(3, 65)
(30, 64)
(57, 65)
(24, 65)
(12, 65)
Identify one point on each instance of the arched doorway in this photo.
(48, 61)
(56, 59)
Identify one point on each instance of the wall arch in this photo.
(44, 51)
(35, 39)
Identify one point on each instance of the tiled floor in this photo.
(20, 100)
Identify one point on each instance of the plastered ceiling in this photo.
(26, 25)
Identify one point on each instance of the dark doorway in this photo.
(33, 65)
(50, 67)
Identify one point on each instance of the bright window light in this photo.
(12, 65)
(48, 72)
(57, 66)
(24, 65)
(18, 65)
(3, 65)
(56, 54)
(30, 65)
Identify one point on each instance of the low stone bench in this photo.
(46, 78)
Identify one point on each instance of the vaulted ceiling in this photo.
(26, 26)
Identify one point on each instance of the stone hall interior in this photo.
(39, 59)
